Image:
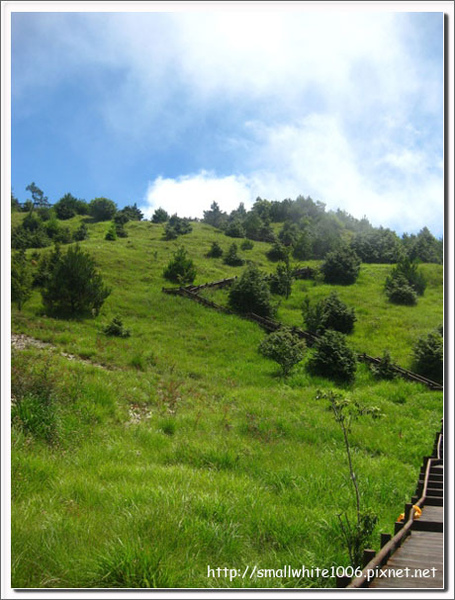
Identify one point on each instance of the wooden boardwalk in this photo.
(414, 557)
(419, 562)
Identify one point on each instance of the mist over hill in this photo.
(303, 225)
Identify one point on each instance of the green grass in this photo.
(189, 450)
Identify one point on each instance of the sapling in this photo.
(346, 411)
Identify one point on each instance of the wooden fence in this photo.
(196, 288)
(430, 494)
(304, 273)
(433, 385)
(191, 292)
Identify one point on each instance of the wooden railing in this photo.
(391, 544)
(191, 291)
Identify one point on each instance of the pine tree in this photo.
(283, 347)
(341, 266)
(232, 258)
(251, 293)
(74, 285)
(21, 279)
(180, 268)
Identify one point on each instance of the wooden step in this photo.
(421, 525)
(431, 491)
(433, 478)
(430, 500)
(433, 483)
(437, 473)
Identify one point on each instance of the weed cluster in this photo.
(116, 329)
(33, 399)
(169, 395)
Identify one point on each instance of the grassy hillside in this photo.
(181, 448)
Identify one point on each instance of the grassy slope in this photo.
(191, 451)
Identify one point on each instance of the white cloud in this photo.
(315, 157)
(274, 58)
(344, 109)
(407, 161)
(260, 52)
(402, 189)
(190, 195)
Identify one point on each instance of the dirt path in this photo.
(20, 341)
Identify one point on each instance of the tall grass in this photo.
(186, 451)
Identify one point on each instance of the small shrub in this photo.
(283, 347)
(399, 291)
(111, 233)
(81, 233)
(102, 209)
(121, 217)
(278, 252)
(21, 239)
(413, 274)
(31, 222)
(428, 355)
(170, 233)
(313, 315)
(232, 258)
(58, 233)
(341, 266)
(247, 245)
(132, 213)
(120, 230)
(251, 293)
(31, 233)
(333, 358)
(385, 369)
(302, 249)
(405, 283)
(115, 328)
(215, 251)
(177, 226)
(52, 227)
(65, 208)
(180, 268)
(358, 534)
(39, 239)
(281, 281)
(235, 229)
(63, 236)
(160, 216)
(329, 313)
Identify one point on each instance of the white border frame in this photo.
(446, 7)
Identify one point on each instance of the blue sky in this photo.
(178, 109)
